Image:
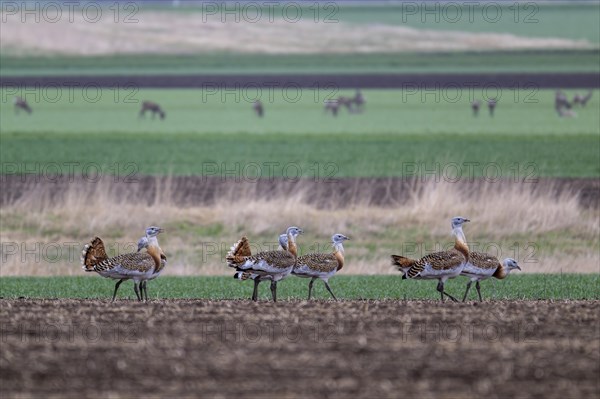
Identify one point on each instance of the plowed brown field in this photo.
(369, 349)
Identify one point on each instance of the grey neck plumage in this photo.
(338, 247)
(459, 234)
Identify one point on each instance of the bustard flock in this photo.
(276, 265)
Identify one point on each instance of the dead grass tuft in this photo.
(565, 237)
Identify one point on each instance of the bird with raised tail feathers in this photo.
(438, 265)
(482, 266)
(266, 265)
(137, 266)
(322, 266)
(143, 243)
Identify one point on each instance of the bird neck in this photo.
(154, 251)
(338, 247)
(338, 252)
(291, 246)
(460, 242)
(501, 272)
(152, 241)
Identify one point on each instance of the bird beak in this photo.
(161, 230)
(518, 267)
(467, 220)
(347, 238)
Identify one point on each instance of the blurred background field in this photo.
(330, 37)
(396, 128)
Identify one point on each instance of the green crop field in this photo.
(532, 286)
(396, 128)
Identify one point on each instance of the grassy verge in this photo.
(541, 286)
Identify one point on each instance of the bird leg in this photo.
(137, 290)
(310, 285)
(255, 292)
(329, 289)
(144, 290)
(440, 288)
(116, 288)
(450, 296)
(467, 291)
(478, 292)
(274, 290)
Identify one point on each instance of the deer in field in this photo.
(346, 102)
(332, 106)
(563, 106)
(561, 101)
(258, 108)
(581, 99)
(475, 105)
(152, 107)
(359, 101)
(21, 104)
(492, 105)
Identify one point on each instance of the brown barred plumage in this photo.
(267, 265)
(483, 260)
(140, 261)
(322, 262)
(94, 259)
(445, 260)
(276, 259)
(402, 262)
(93, 253)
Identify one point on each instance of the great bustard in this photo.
(138, 266)
(21, 103)
(152, 107)
(255, 277)
(438, 265)
(266, 265)
(143, 243)
(322, 266)
(482, 266)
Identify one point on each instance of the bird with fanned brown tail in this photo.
(322, 265)
(438, 265)
(137, 266)
(266, 265)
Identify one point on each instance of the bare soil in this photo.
(369, 349)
